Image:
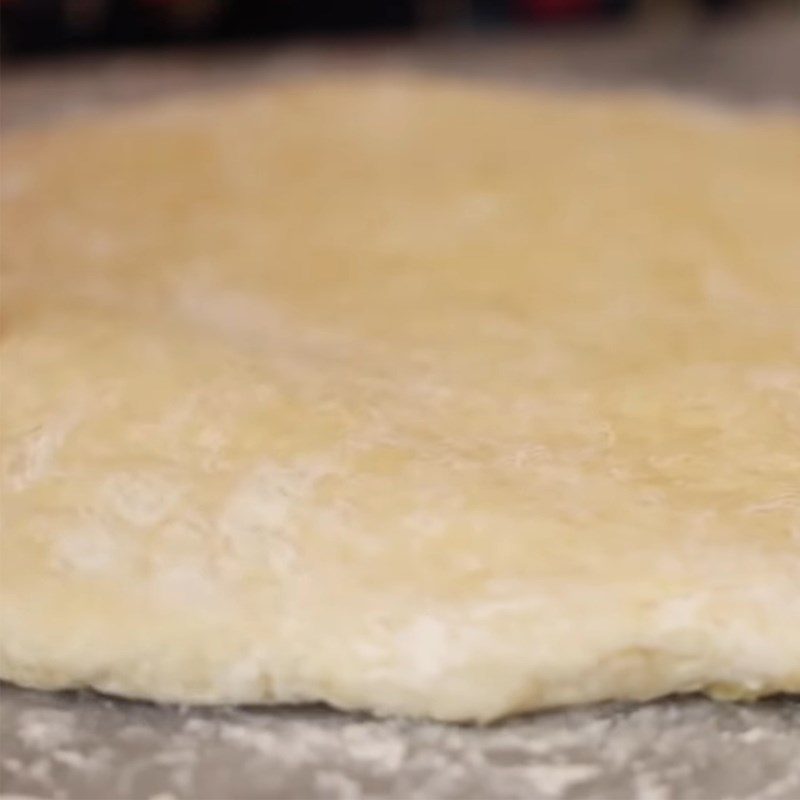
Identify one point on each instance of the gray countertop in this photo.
(85, 746)
(93, 748)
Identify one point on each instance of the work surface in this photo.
(84, 746)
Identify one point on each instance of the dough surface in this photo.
(405, 396)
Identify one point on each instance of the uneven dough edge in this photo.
(480, 689)
(598, 683)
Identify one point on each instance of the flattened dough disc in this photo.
(405, 396)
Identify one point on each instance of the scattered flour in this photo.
(45, 729)
(79, 746)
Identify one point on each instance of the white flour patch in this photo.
(553, 780)
(45, 729)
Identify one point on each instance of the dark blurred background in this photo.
(30, 26)
(63, 58)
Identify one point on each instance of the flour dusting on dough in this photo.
(335, 405)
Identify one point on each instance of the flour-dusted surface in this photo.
(85, 747)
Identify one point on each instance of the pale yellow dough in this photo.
(405, 396)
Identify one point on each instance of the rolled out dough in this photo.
(405, 396)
